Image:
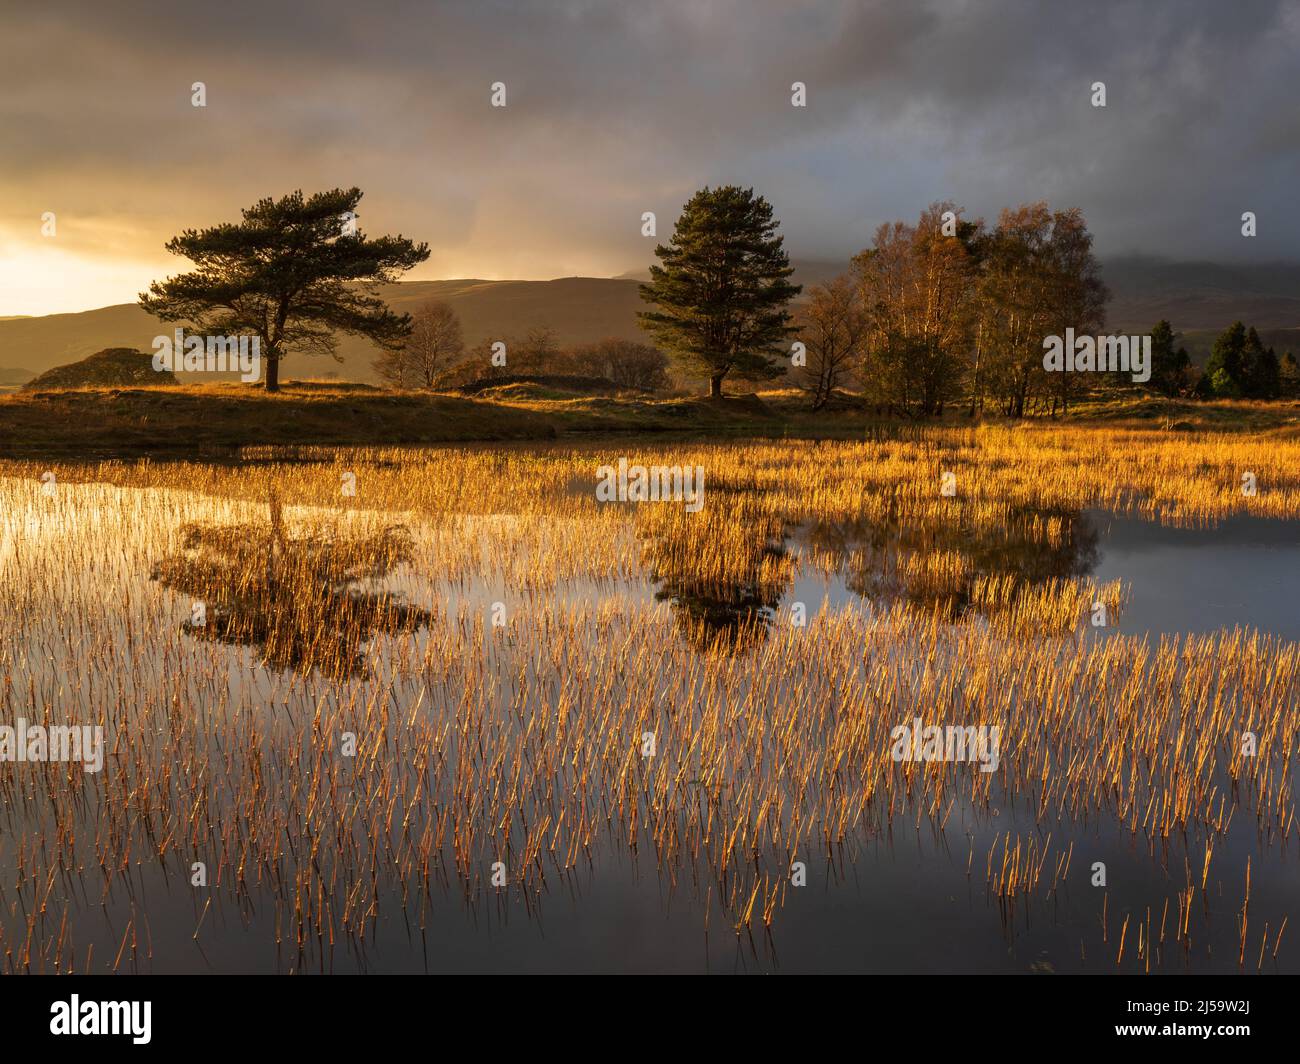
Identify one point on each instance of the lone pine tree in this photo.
(293, 273)
(722, 289)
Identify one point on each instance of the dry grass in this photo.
(523, 743)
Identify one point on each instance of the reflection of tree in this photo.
(934, 564)
(722, 571)
(303, 601)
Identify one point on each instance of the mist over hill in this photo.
(1198, 298)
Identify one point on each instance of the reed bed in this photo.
(498, 647)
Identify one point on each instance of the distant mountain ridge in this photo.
(1201, 295)
(579, 309)
(1198, 298)
(807, 272)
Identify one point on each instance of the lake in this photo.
(470, 719)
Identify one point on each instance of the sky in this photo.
(617, 108)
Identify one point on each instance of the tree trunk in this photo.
(715, 386)
(272, 373)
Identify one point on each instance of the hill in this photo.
(1199, 298)
(807, 272)
(579, 310)
(113, 367)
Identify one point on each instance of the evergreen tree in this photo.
(1225, 371)
(1289, 377)
(292, 273)
(722, 288)
(1169, 367)
(1260, 369)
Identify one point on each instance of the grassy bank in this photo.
(214, 419)
(217, 418)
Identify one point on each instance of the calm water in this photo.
(900, 901)
(1244, 571)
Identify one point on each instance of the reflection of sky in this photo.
(900, 901)
(1245, 571)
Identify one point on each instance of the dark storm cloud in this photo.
(616, 108)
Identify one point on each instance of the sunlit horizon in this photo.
(40, 278)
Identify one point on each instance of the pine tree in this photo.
(1169, 367)
(293, 273)
(1225, 371)
(1260, 369)
(1289, 377)
(722, 288)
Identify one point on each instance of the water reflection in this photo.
(722, 572)
(725, 570)
(912, 908)
(936, 565)
(308, 601)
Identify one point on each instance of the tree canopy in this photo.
(292, 273)
(722, 290)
